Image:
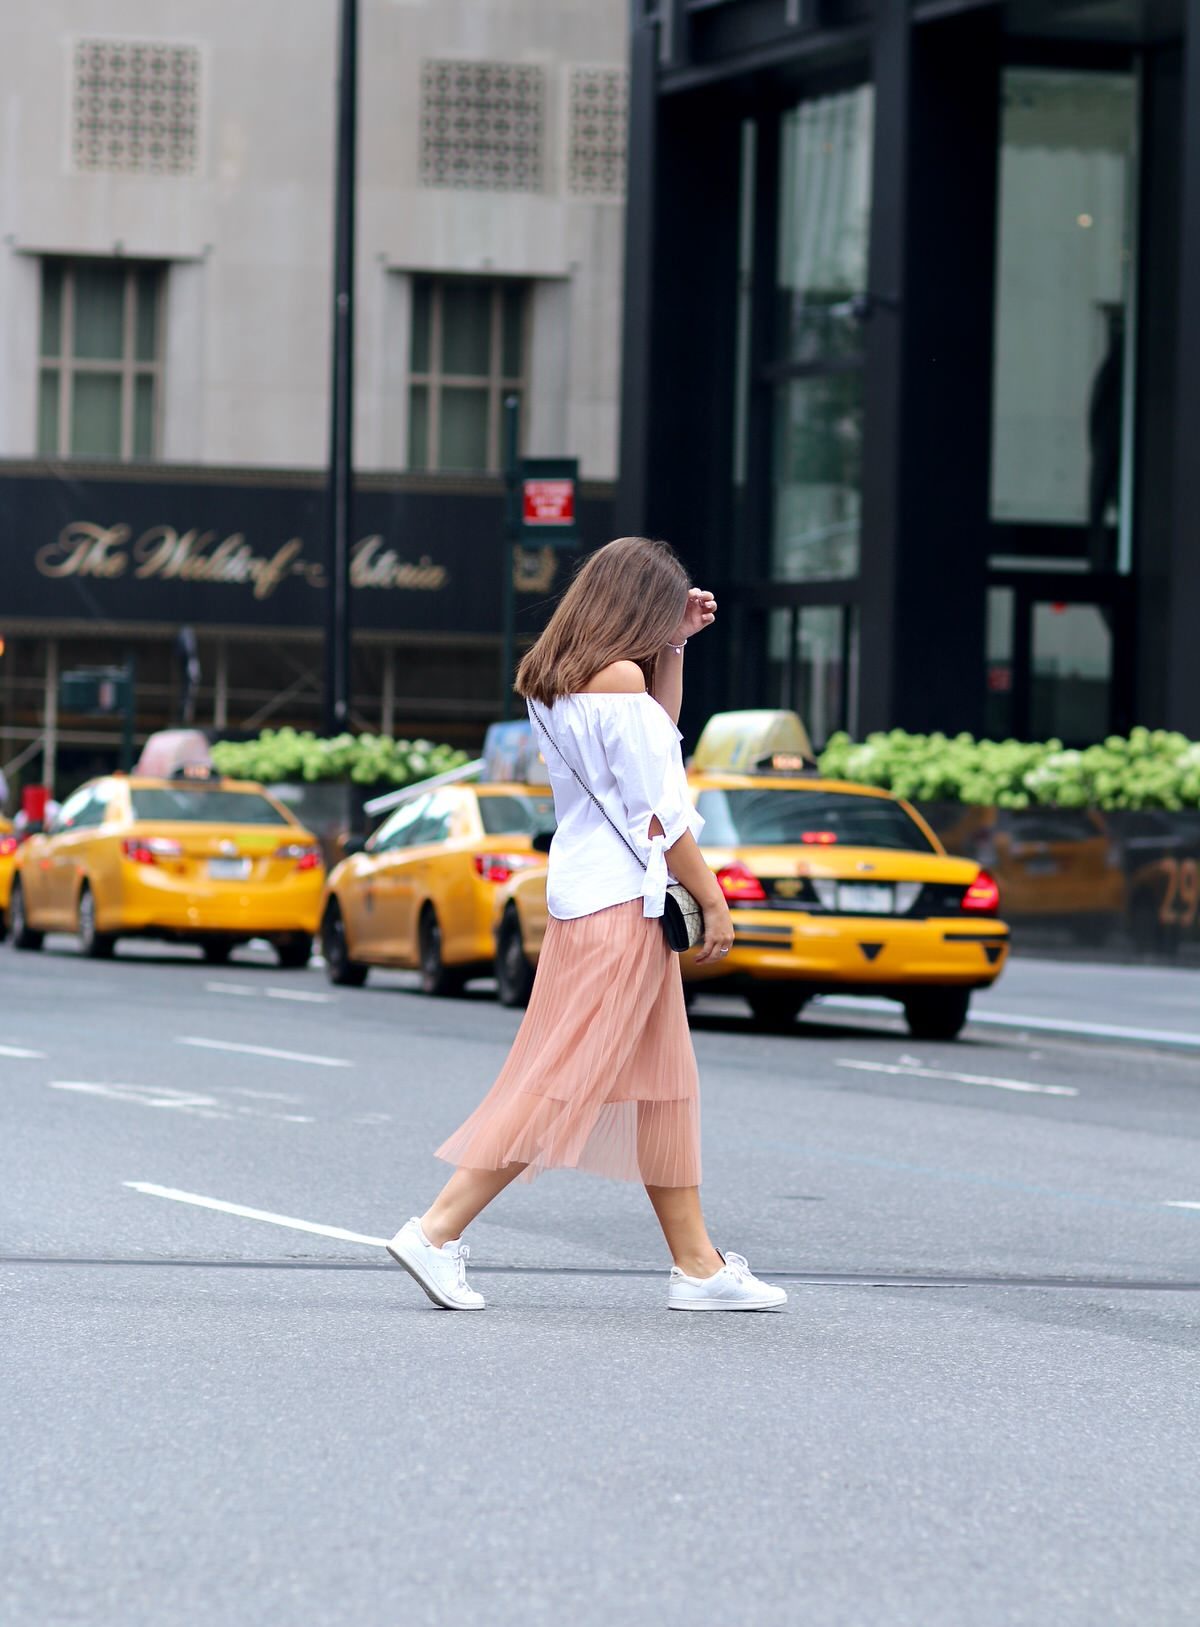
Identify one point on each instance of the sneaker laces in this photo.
(462, 1253)
(738, 1267)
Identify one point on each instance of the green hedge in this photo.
(1152, 768)
(279, 755)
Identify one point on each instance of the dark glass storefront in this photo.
(104, 564)
(910, 301)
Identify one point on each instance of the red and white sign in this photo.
(548, 502)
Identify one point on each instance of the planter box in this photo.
(1123, 884)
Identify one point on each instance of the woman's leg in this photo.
(465, 1195)
(682, 1220)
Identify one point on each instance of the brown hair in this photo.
(625, 602)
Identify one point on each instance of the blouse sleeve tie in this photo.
(654, 892)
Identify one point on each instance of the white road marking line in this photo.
(19, 1051)
(909, 1071)
(1049, 1025)
(219, 1204)
(1181, 1203)
(264, 1050)
(266, 1095)
(247, 991)
(204, 1107)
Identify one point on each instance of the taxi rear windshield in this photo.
(779, 818)
(510, 815)
(205, 805)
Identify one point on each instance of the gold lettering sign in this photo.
(110, 553)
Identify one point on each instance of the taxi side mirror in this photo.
(352, 845)
(541, 842)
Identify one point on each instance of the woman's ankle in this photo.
(703, 1263)
(435, 1231)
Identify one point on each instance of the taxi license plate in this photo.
(863, 898)
(228, 869)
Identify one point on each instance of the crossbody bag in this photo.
(682, 917)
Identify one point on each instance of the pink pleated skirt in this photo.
(602, 1074)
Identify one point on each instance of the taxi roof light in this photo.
(749, 742)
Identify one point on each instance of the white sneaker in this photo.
(441, 1272)
(732, 1288)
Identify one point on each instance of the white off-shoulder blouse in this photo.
(627, 750)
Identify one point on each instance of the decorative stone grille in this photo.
(597, 116)
(136, 107)
(482, 125)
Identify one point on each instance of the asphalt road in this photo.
(979, 1406)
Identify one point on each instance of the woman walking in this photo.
(602, 1075)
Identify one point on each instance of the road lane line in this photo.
(909, 1070)
(219, 1204)
(20, 1052)
(1181, 1203)
(266, 1095)
(1048, 1025)
(264, 1050)
(247, 991)
(204, 1107)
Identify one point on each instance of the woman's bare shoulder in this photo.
(621, 678)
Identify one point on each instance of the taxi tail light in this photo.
(499, 867)
(740, 885)
(983, 895)
(143, 851)
(307, 858)
(8, 846)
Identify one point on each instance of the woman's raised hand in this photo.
(701, 612)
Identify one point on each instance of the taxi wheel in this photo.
(776, 1008)
(339, 968)
(23, 935)
(937, 1013)
(436, 976)
(514, 974)
(295, 952)
(95, 945)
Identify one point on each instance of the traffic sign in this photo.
(548, 502)
(542, 494)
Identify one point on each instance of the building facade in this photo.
(911, 339)
(166, 220)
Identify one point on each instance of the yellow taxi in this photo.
(833, 888)
(1053, 864)
(419, 894)
(191, 859)
(8, 850)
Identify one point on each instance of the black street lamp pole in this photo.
(340, 489)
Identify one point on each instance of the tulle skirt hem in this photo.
(602, 1075)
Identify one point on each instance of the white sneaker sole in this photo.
(425, 1282)
(726, 1304)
